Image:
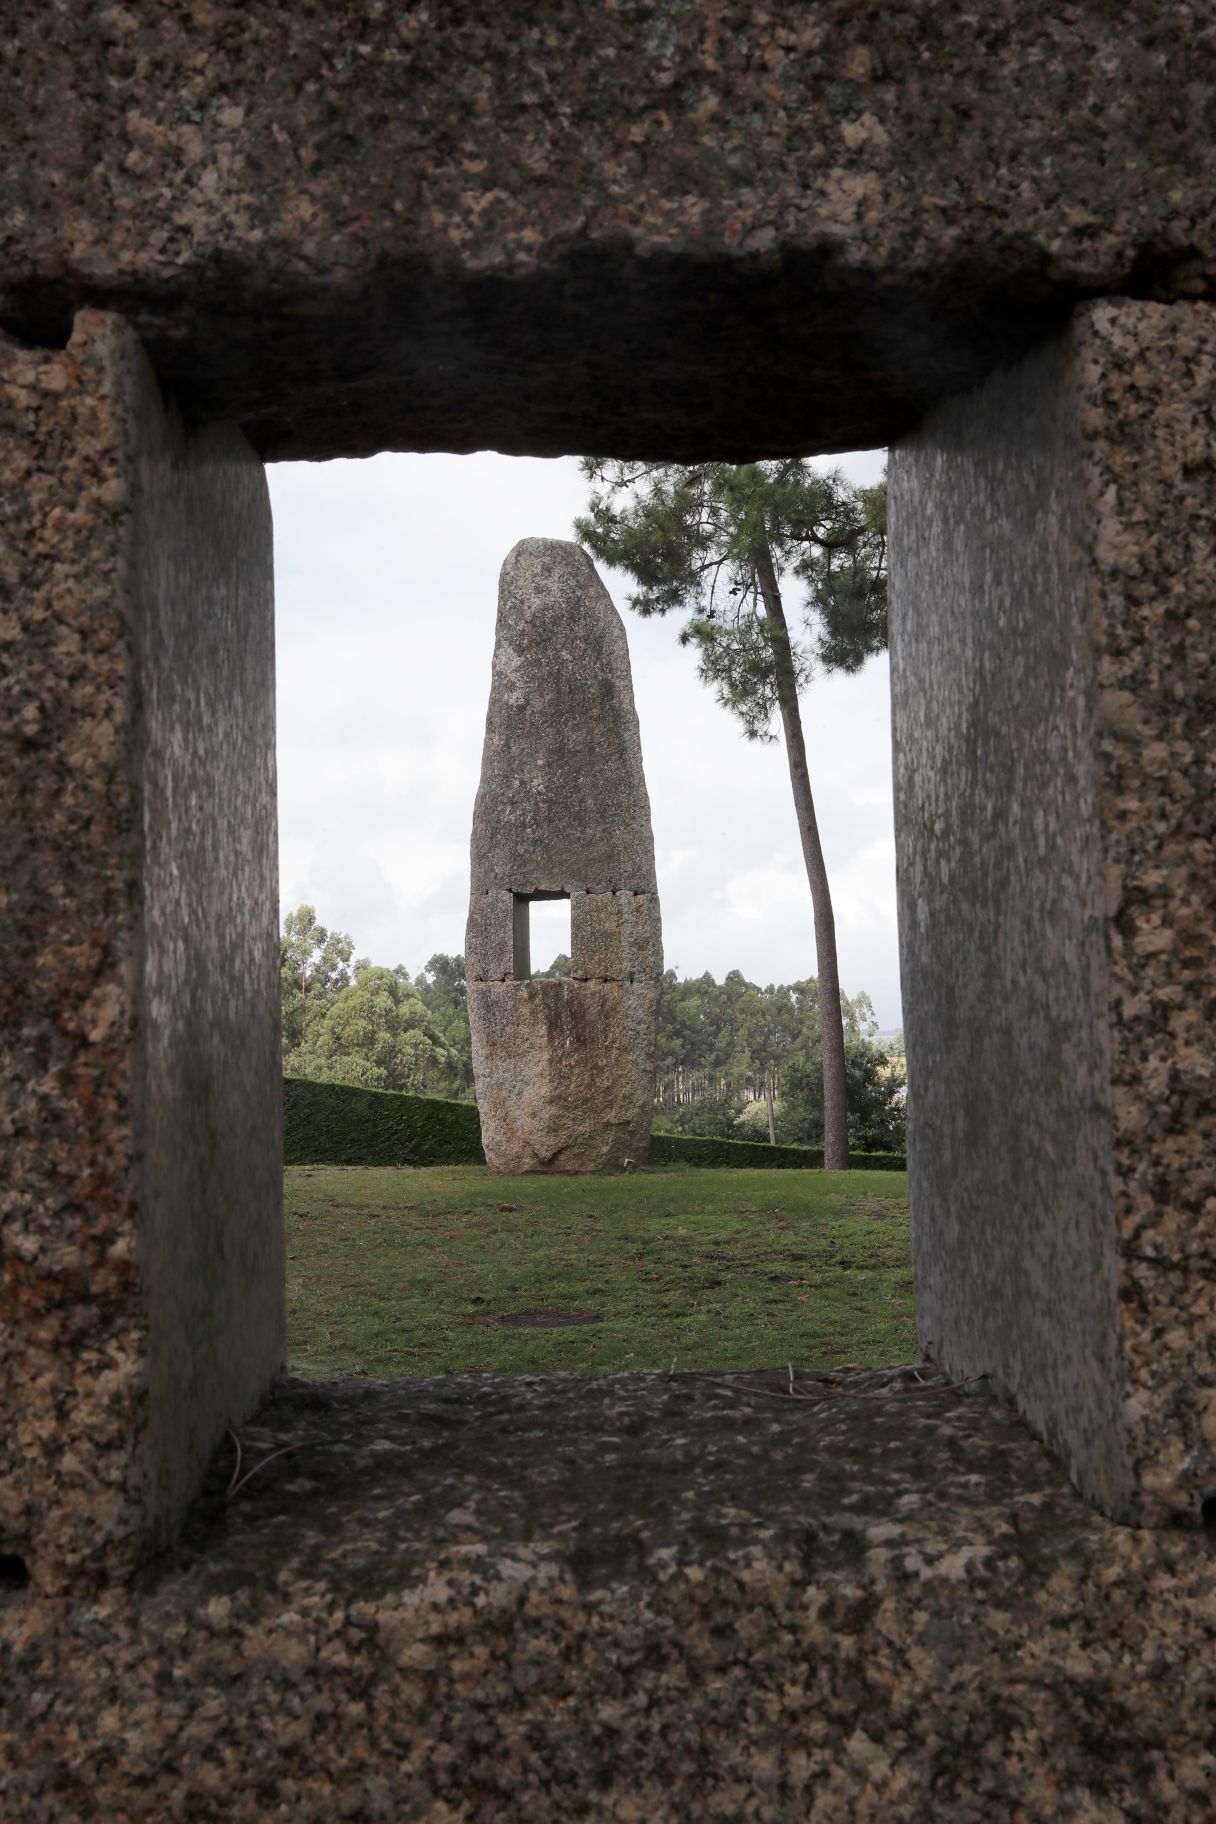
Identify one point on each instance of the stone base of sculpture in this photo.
(565, 1073)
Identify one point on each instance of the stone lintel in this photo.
(532, 885)
(356, 228)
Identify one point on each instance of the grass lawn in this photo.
(446, 1269)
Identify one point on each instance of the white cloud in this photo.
(762, 893)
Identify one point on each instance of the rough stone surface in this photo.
(656, 227)
(562, 803)
(1146, 379)
(488, 938)
(616, 937)
(140, 1116)
(661, 227)
(1053, 694)
(632, 1598)
(564, 1073)
(564, 1069)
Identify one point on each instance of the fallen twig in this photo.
(237, 1482)
(903, 1393)
(741, 1386)
(236, 1468)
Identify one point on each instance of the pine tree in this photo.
(716, 541)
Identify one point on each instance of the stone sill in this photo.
(635, 1597)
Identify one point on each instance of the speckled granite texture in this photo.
(1146, 380)
(561, 803)
(564, 1069)
(647, 226)
(629, 1598)
(1054, 627)
(140, 1113)
(564, 1073)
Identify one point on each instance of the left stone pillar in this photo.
(140, 1096)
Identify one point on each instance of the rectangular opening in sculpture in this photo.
(544, 932)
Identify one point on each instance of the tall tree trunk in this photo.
(768, 1094)
(835, 1090)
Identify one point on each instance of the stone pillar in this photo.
(564, 1069)
(1053, 540)
(140, 1088)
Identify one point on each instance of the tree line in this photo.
(732, 1058)
(738, 1060)
(354, 1021)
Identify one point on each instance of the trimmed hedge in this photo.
(333, 1124)
(692, 1149)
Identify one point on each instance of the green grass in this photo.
(399, 1271)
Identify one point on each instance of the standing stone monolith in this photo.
(564, 1067)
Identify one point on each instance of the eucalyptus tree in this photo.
(314, 968)
(718, 543)
(376, 1033)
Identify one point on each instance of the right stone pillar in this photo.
(1053, 666)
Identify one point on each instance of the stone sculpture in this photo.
(564, 1068)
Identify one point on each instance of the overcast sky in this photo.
(386, 579)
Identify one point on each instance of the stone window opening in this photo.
(552, 927)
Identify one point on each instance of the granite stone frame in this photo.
(143, 1272)
(1052, 539)
(986, 238)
